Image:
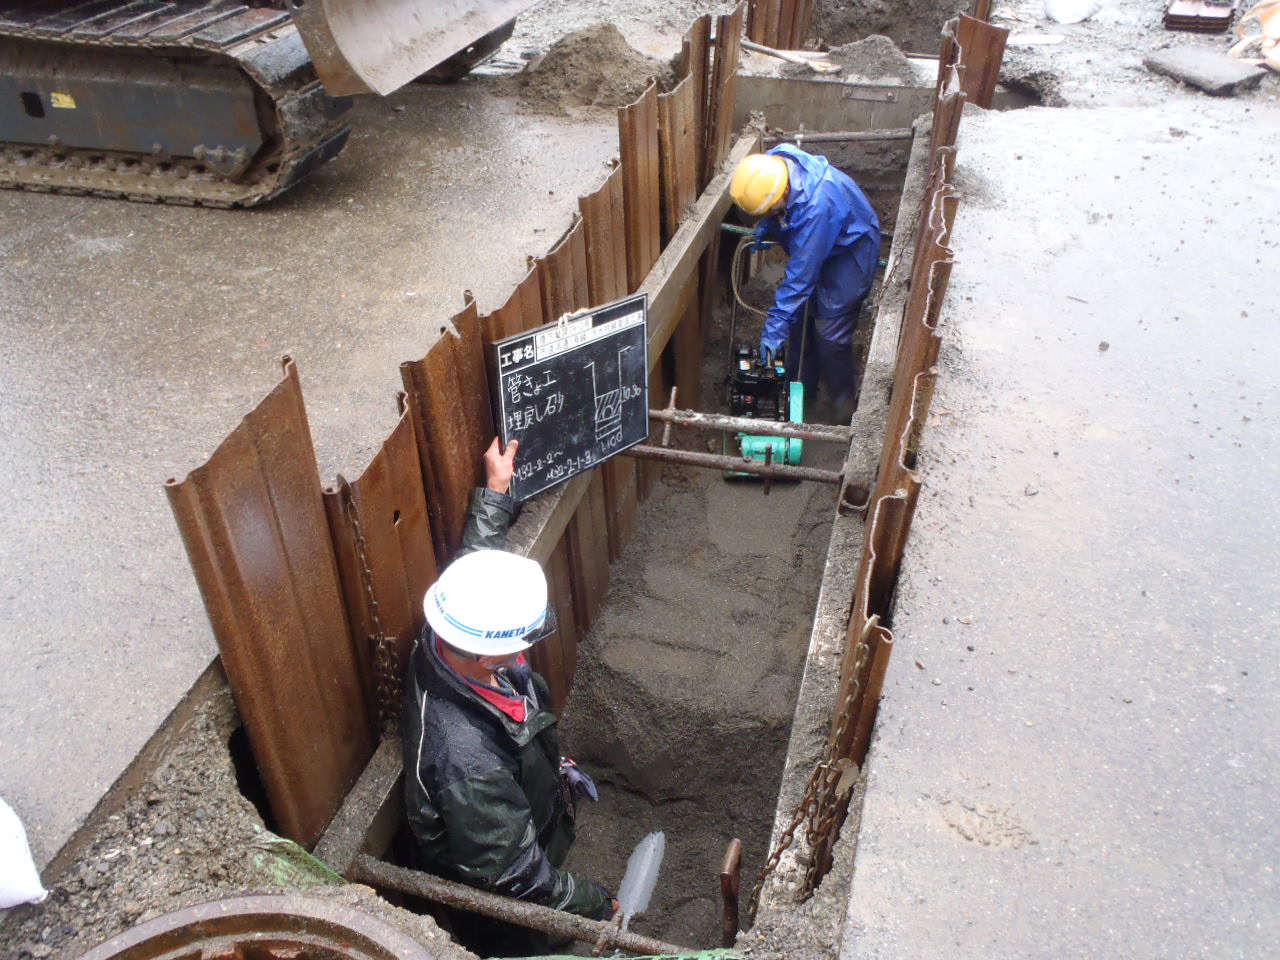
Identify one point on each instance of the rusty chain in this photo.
(827, 806)
(386, 676)
(819, 805)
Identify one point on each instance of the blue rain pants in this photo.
(832, 240)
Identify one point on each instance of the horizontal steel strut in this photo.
(374, 872)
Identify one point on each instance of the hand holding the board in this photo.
(499, 465)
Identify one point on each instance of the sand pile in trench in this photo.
(875, 58)
(593, 67)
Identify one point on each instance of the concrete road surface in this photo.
(134, 337)
(1079, 745)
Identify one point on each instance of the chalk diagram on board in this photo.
(608, 415)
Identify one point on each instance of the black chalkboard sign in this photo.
(574, 393)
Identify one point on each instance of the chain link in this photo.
(385, 673)
(819, 806)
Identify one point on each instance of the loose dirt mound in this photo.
(875, 58)
(595, 67)
(914, 25)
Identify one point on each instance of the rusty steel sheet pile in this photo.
(448, 395)
(253, 522)
(971, 55)
(781, 24)
(382, 540)
(315, 595)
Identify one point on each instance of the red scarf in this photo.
(513, 707)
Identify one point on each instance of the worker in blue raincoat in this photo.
(831, 236)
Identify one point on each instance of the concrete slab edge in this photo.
(816, 700)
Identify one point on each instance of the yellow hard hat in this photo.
(759, 183)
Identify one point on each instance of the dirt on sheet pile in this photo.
(591, 68)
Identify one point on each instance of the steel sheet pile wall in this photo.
(781, 24)
(892, 501)
(315, 596)
(253, 523)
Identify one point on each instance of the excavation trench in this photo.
(687, 684)
(693, 690)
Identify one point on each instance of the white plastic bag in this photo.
(19, 879)
(1071, 11)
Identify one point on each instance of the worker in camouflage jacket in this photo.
(490, 802)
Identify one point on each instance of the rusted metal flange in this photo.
(262, 927)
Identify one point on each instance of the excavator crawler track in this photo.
(213, 103)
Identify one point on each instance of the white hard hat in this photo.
(490, 603)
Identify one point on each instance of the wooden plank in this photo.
(448, 395)
(641, 181)
(665, 284)
(254, 526)
(369, 815)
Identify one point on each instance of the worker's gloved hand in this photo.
(758, 242)
(771, 341)
(581, 786)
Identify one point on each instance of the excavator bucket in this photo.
(377, 46)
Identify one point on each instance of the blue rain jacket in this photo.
(832, 239)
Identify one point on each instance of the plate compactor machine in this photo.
(759, 387)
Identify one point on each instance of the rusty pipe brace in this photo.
(666, 427)
(765, 428)
(374, 872)
(714, 461)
